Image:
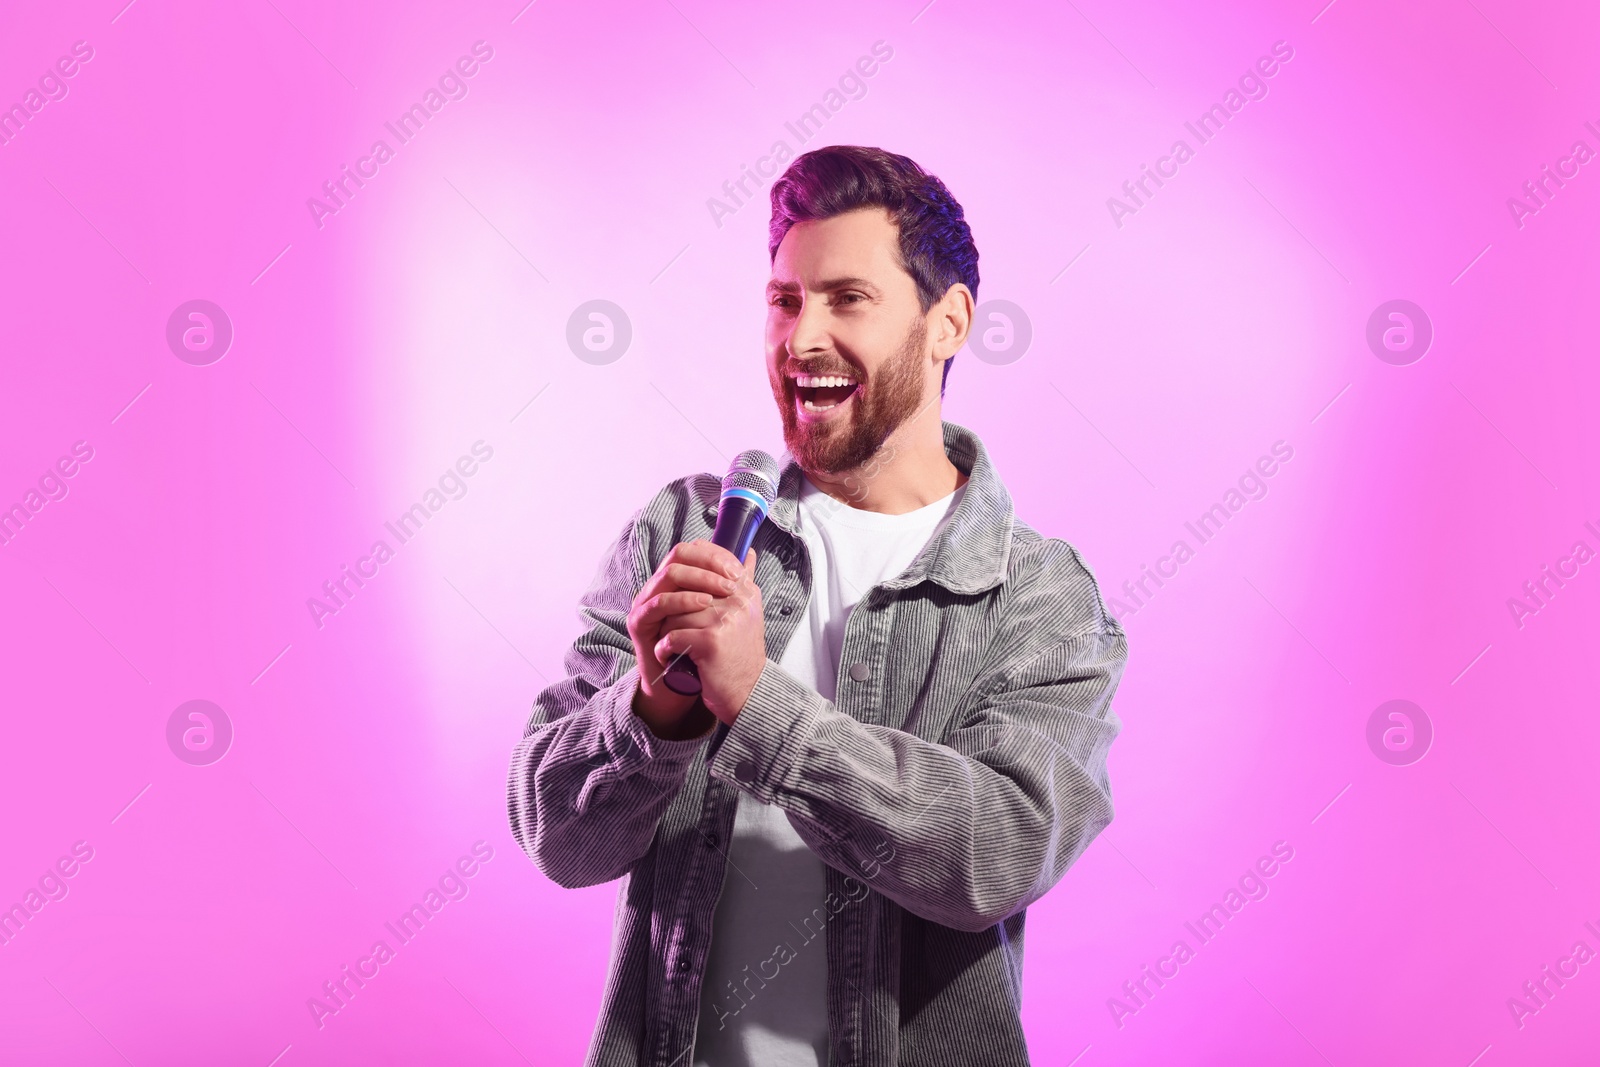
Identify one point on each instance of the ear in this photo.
(950, 320)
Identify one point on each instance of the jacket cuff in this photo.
(758, 751)
(630, 741)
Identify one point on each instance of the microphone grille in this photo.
(754, 471)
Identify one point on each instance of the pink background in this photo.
(371, 352)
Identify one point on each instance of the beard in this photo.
(881, 405)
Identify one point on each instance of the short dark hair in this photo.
(936, 246)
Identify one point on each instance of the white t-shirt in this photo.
(763, 1002)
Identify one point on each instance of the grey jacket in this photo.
(958, 774)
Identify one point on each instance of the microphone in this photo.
(748, 490)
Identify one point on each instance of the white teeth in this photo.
(819, 381)
(809, 406)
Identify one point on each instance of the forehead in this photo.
(863, 243)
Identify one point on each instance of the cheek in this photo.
(775, 339)
(871, 346)
(888, 356)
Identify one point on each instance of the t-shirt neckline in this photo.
(843, 514)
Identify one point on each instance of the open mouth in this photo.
(823, 392)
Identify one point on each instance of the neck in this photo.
(910, 470)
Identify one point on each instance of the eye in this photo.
(851, 297)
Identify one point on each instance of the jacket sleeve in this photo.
(964, 833)
(589, 780)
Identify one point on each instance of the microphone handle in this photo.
(738, 518)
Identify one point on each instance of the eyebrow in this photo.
(828, 286)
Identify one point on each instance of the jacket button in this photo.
(712, 840)
(745, 771)
(860, 672)
(786, 609)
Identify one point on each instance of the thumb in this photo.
(750, 562)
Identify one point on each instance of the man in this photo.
(917, 687)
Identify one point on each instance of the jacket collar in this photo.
(971, 551)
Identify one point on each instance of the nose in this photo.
(808, 334)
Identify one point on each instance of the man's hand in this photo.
(682, 583)
(727, 637)
(690, 579)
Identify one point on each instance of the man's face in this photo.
(847, 340)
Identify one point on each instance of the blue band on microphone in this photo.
(747, 494)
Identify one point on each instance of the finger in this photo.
(655, 584)
(703, 553)
(709, 616)
(675, 641)
(681, 577)
(693, 620)
(664, 605)
(700, 580)
(660, 581)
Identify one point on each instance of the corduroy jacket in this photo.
(959, 772)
